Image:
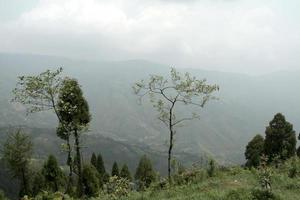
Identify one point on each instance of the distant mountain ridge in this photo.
(246, 104)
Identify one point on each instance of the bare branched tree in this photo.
(167, 94)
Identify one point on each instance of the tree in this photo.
(280, 140)
(168, 94)
(125, 173)
(38, 183)
(40, 93)
(52, 173)
(90, 179)
(100, 165)
(298, 150)
(254, 151)
(17, 152)
(73, 110)
(144, 174)
(115, 169)
(94, 160)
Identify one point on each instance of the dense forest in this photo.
(78, 171)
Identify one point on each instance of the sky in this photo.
(244, 36)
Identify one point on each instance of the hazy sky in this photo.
(252, 36)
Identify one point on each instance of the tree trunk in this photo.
(25, 186)
(78, 163)
(171, 141)
(70, 163)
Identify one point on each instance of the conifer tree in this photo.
(254, 151)
(90, 179)
(74, 113)
(144, 174)
(125, 173)
(100, 165)
(17, 151)
(115, 169)
(94, 160)
(52, 173)
(280, 140)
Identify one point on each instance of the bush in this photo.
(264, 195)
(117, 187)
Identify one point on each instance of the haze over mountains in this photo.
(246, 104)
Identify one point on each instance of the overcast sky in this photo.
(250, 36)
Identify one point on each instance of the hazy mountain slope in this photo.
(246, 104)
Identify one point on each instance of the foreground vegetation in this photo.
(224, 184)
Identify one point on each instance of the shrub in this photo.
(117, 187)
(264, 195)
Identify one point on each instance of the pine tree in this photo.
(254, 151)
(280, 140)
(144, 174)
(94, 160)
(125, 173)
(100, 165)
(74, 113)
(90, 179)
(52, 173)
(115, 169)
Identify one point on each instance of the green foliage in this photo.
(38, 184)
(254, 151)
(144, 174)
(38, 93)
(115, 169)
(280, 139)
(166, 94)
(238, 194)
(52, 173)
(125, 173)
(50, 196)
(2, 196)
(100, 165)
(90, 180)
(74, 114)
(294, 167)
(117, 187)
(265, 174)
(94, 160)
(17, 152)
(211, 170)
(264, 195)
(105, 177)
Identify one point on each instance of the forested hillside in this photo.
(245, 104)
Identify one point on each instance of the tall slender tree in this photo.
(144, 174)
(73, 110)
(40, 93)
(17, 152)
(166, 94)
(125, 173)
(115, 169)
(100, 165)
